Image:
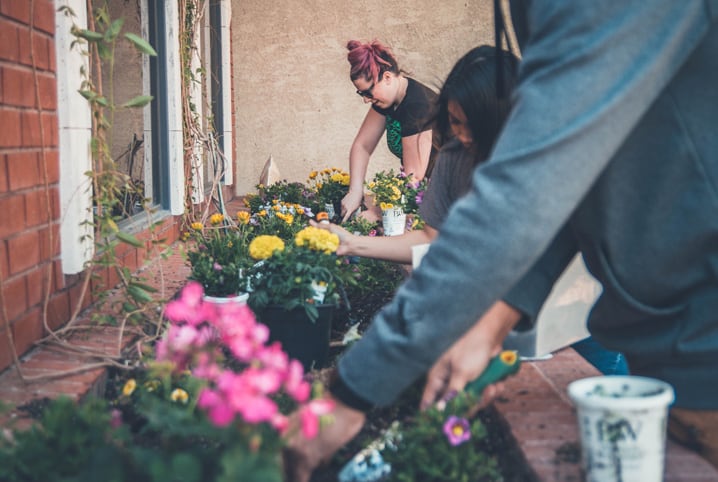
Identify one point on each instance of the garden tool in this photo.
(369, 466)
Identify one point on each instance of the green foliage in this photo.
(289, 278)
(155, 439)
(423, 451)
(218, 256)
(70, 443)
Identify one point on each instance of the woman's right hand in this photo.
(345, 237)
(350, 203)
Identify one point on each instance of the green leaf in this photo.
(146, 287)
(114, 30)
(141, 44)
(129, 239)
(139, 101)
(138, 294)
(89, 35)
(87, 94)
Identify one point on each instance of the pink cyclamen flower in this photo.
(218, 411)
(457, 430)
(189, 306)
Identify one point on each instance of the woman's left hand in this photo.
(345, 236)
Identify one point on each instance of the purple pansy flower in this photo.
(457, 430)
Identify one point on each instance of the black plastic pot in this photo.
(301, 338)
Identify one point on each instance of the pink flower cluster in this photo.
(197, 333)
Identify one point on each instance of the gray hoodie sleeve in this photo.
(590, 70)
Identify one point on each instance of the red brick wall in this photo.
(30, 262)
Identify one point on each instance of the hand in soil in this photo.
(302, 456)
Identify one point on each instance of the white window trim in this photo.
(174, 107)
(226, 13)
(75, 133)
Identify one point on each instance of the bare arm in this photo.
(416, 150)
(387, 248)
(362, 148)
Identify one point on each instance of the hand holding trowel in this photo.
(369, 466)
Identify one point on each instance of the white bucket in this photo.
(622, 422)
(394, 221)
(223, 300)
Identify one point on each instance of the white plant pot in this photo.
(394, 221)
(222, 300)
(622, 422)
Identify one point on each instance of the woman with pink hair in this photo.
(400, 105)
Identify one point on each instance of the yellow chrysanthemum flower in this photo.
(288, 218)
(313, 174)
(197, 226)
(385, 206)
(263, 246)
(185, 236)
(317, 239)
(216, 219)
(336, 177)
(179, 395)
(345, 180)
(262, 213)
(243, 217)
(129, 387)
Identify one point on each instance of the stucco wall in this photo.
(293, 97)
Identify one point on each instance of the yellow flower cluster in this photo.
(317, 239)
(286, 217)
(197, 226)
(216, 219)
(332, 174)
(243, 217)
(262, 247)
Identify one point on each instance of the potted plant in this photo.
(219, 257)
(212, 405)
(398, 195)
(330, 185)
(295, 289)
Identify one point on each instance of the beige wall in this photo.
(292, 93)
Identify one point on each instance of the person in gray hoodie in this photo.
(611, 150)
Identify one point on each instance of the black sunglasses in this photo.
(367, 93)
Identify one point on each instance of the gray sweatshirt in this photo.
(611, 149)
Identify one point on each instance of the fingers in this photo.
(303, 455)
(436, 383)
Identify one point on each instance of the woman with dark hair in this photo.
(468, 118)
(400, 106)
